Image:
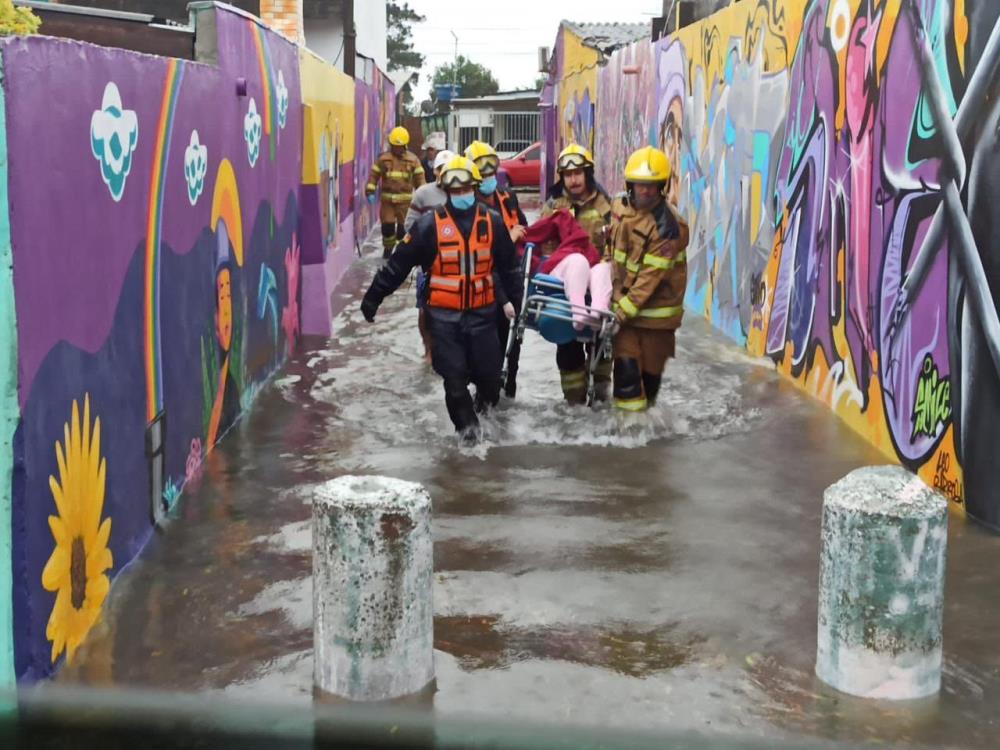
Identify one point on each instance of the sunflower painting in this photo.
(76, 569)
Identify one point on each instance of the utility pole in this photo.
(454, 68)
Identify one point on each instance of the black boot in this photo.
(461, 409)
(651, 385)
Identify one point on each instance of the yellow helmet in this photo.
(483, 156)
(574, 156)
(459, 172)
(399, 136)
(648, 164)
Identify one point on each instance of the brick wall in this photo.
(284, 16)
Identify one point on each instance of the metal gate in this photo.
(508, 132)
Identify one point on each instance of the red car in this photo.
(525, 169)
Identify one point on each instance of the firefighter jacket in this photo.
(399, 175)
(447, 244)
(593, 213)
(649, 265)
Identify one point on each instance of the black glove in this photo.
(368, 308)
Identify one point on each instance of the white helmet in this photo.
(442, 158)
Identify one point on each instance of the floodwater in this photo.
(638, 571)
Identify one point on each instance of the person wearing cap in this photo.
(472, 267)
(426, 198)
(400, 173)
(505, 203)
(577, 192)
(647, 249)
(433, 145)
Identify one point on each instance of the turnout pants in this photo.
(392, 216)
(640, 356)
(571, 359)
(464, 350)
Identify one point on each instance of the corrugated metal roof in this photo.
(608, 36)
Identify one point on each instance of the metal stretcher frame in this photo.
(599, 335)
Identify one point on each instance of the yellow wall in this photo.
(577, 84)
(328, 96)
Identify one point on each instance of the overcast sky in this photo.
(504, 35)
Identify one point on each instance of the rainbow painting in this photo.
(161, 156)
(267, 82)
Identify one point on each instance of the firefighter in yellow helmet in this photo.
(577, 191)
(400, 173)
(472, 270)
(506, 204)
(649, 274)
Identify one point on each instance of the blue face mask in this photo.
(488, 186)
(463, 202)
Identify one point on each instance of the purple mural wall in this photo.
(374, 117)
(155, 262)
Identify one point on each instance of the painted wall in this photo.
(155, 270)
(568, 101)
(810, 167)
(326, 226)
(374, 117)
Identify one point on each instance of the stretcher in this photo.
(547, 310)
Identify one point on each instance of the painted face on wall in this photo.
(224, 308)
(575, 182)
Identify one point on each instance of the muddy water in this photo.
(593, 568)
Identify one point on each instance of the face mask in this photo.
(488, 186)
(463, 202)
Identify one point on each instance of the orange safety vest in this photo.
(505, 206)
(461, 277)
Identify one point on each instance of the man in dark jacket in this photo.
(472, 269)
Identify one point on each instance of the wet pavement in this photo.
(592, 568)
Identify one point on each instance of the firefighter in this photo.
(400, 173)
(577, 191)
(649, 273)
(505, 203)
(466, 250)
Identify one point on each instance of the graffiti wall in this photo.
(834, 167)
(326, 226)
(374, 117)
(568, 100)
(154, 207)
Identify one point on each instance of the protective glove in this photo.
(368, 308)
(508, 310)
(371, 199)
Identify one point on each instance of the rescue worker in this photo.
(472, 265)
(577, 191)
(433, 145)
(505, 203)
(426, 198)
(400, 173)
(649, 274)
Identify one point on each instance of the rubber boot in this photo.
(651, 385)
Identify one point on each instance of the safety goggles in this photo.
(571, 161)
(456, 178)
(488, 165)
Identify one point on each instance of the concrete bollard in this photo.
(373, 566)
(881, 585)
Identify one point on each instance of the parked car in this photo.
(510, 148)
(525, 169)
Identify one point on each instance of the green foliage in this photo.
(540, 82)
(474, 79)
(17, 20)
(399, 39)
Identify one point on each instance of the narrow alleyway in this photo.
(645, 572)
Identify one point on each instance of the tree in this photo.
(474, 79)
(17, 20)
(541, 81)
(399, 38)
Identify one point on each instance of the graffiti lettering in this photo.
(944, 482)
(932, 408)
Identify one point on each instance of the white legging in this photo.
(577, 274)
